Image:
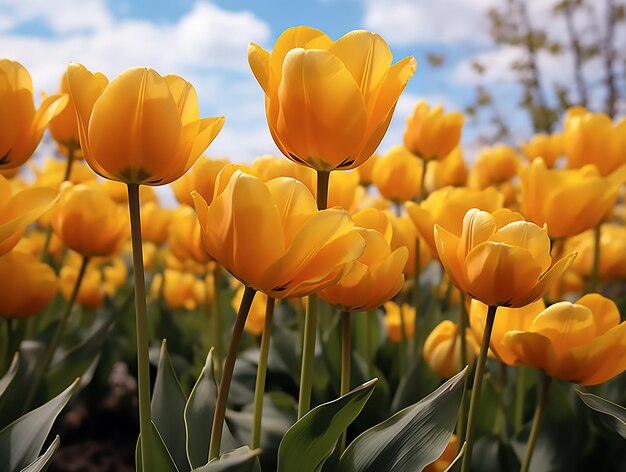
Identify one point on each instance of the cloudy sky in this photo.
(205, 41)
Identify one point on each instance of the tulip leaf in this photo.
(22, 440)
(198, 416)
(168, 410)
(43, 461)
(610, 413)
(412, 438)
(81, 358)
(161, 457)
(242, 459)
(8, 377)
(308, 443)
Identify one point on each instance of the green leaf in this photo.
(412, 438)
(610, 413)
(309, 442)
(168, 410)
(161, 458)
(242, 459)
(198, 416)
(8, 377)
(22, 440)
(42, 462)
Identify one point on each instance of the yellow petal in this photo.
(294, 203)
(529, 236)
(529, 349)
(567, 325)
(322, 114)
(545, 282)
(605, 312)
(498, 273)
(447, 248)
(604, 357)
(185, 96)
(259, 60)
(478, 227)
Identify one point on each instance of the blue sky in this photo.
(205, 41)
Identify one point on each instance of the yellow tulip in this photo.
(569, 201)
(398, 175)
(185, 236)
(447, 207)
(64, 126)
(550, 147)
(141, 128)
(499, 258)
(451, 170)
(442, 349)
(328, 104)
(375, 278)
(612, 264)
(272, 238)
(365, 170)
(373, 218)
(115, 275)
(201, 177)
(89, 222)
(180, 290)
(342, 190)
(494, 165)
(582, 342)
(405, 234)
(255, 321)
(431, 134)
(18, 209)
(119, 192)
(155, 222)
(27, 284)
(394, 320)
(446, 458)
(591, 138)
(270, 167)
(91, 291)
(52, 173)
(22, 125)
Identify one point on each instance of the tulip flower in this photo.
(91, 292)
(270, 167)
(180, 290)
(141, 128)
(256, 316)
(446, 458)
(431, 134)
(451, 170)
(185, 236)
(53, 171)
(398, 175)
(155, 222)
(22, 125)
(442, 349)
(328, 104)
(400, 324)
(569, 201)
(272, 238)
(612, 262)
(343, 190)
(27, 285)
(201, 177)
(80, 210)
(591, 138)
(405, 234)
(499, 258)
(582, 342)
(493, 166)
(64, 126)
(375, 278)
(119, 192)
(549, 147)
(446, 207)
(365, 170)
(18, 209)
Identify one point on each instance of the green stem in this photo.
(227, 376)
(45, 250)
(57, 336)
(369, 357)
(217, 323)
(461, 424)
(520, 392)
(141, 314)
(308, 356)
(422, 194)
(534, 429)
(595, 268)
(478, 380)
(71, 150)
(259, 388)
(416, 301)
(345, 365)
(402, 356)
(322, 189)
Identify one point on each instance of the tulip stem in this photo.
(259, 388)
(227, 376)
(478, 380)
(595, 268)
(461, 424)
(368, 344)
(57, 336)
(141, 318)
(308, 356)
(416, 302)
(534, 429)
(345, 365)
(217, 323)
(71, 150)
(520, 392)
(422, 194)
(322, 189)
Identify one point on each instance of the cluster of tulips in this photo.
(519, 258)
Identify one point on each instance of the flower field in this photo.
(326, 308)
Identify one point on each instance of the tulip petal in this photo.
(529, 236)
(259, 61)
(447, 248)
(496, 273)
(294, 202)
(602, 359)
(478, 227)
(322, 114)
(529, 350)
(567, 325)
(545, 282)
(424, 222)
(605, 312)
(185, 96)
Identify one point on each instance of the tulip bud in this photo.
(442, 349)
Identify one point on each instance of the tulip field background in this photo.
(390, 240)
